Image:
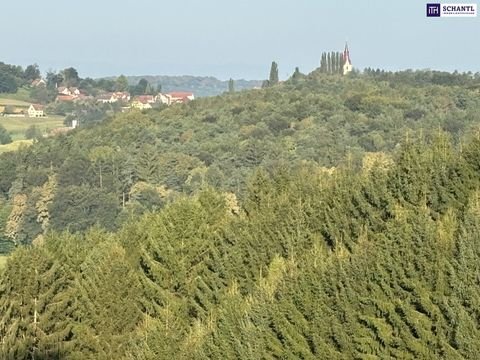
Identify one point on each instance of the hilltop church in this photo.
(347, 63)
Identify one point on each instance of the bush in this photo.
(5, 137)
(33, 132)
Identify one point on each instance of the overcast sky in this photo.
(226, 38)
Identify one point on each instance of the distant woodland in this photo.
(324, 217)
(201, 86)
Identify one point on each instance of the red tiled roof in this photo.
(180, 94)
(38, 107)
(144, 99)
(65, 98)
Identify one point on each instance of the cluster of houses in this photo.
(73, 94)
(147, 101)
(70, 94)
(139, 102)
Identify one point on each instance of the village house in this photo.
(62, 90)
(39, 82)
(111, 98)
(175, 97)
(163, 98)
(122, 96)
(150, 99)
(36, 110)
(180, 97)
(75, 91)
(143, 102)
(107, 98)
(70, 94)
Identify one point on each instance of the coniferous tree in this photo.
(273, 78)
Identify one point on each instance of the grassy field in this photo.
(16, 126)
(3, 260)
(13, 102)
(22, 95)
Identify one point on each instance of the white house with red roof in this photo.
(123, 96)
(36, 110)
(177, 97)
(113, 97)
(38, 82)
(143, 102)
(75, 91)
(180, 97)
(347, 63)
(62, 90)
(163, 98)
(107, 98)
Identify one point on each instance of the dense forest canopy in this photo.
(137, 162)
(321, 217)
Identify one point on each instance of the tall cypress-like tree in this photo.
(231, 86)
(273, 79)
(323, 63)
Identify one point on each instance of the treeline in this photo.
(378, 262)
(426, 77)
(13, 76)
(138, 162)
(201, 86)
(332, 62)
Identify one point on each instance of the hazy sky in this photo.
(226, 38)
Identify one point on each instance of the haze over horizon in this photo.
(231, 39)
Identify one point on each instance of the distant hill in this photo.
(201, 86)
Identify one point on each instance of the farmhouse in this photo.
(71, 91)
(36, 110)
(106, 98)
(143, 102)
(163, 98)
(75, 91)
(175, 97)
(39, 82)
(111, 98)
(180, 97)
(122, 96)
(64, 90)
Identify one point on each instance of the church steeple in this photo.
(347, 62)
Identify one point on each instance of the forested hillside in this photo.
(136, 162)
(326, 217)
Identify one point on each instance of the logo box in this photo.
(451, 10)
(433, 10)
